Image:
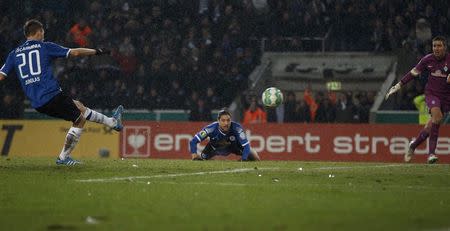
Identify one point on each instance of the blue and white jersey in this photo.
(222, 141)
(32, 63)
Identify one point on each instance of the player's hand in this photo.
(196, 157)
(102, 51)
(448, 78)
(392, 90)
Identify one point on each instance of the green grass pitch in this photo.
(135, 194)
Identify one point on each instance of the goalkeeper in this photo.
(437, 94)
(225, 137)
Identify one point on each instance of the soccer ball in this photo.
(272, 97)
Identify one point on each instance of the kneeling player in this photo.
(225, 137)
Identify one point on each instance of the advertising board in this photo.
(313, 142)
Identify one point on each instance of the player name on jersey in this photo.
(25, 48)
(32, 80)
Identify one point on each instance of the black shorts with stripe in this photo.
(61, 106)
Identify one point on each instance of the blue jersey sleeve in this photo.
(9, 65)
(55, 50)
(242, 138)
(199, 137)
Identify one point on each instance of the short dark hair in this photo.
(222, 112)
(31, 27)
(440, 38)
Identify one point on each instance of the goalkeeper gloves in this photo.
(393, 89)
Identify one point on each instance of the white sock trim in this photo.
(98, 117)
(76, 131)
(87, 113)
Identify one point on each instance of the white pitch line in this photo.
(172, 175)
(195, 183)
(355, 167)
(131, 178)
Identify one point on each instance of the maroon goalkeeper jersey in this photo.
(437, 79)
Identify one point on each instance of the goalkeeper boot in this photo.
(67, 161)
(409, 153)
(432, 159)
(118, 116)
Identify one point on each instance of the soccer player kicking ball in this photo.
(437, 94)
(225, 137)
(32, 64)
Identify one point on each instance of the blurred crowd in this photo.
(197, 54)
(310, 107)
(165, 54)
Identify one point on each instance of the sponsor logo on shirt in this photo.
(438, 73)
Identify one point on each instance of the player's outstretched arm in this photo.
(405, 79)
(77, 52)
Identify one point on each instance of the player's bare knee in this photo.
(436, 115)
(428, 125)
(80, 106)
(80, 121)
(437, 120)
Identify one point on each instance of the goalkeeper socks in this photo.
(98, 117)
(72, 138)
(434, 133)
(423, 135)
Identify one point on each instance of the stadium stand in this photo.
(166, 51)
